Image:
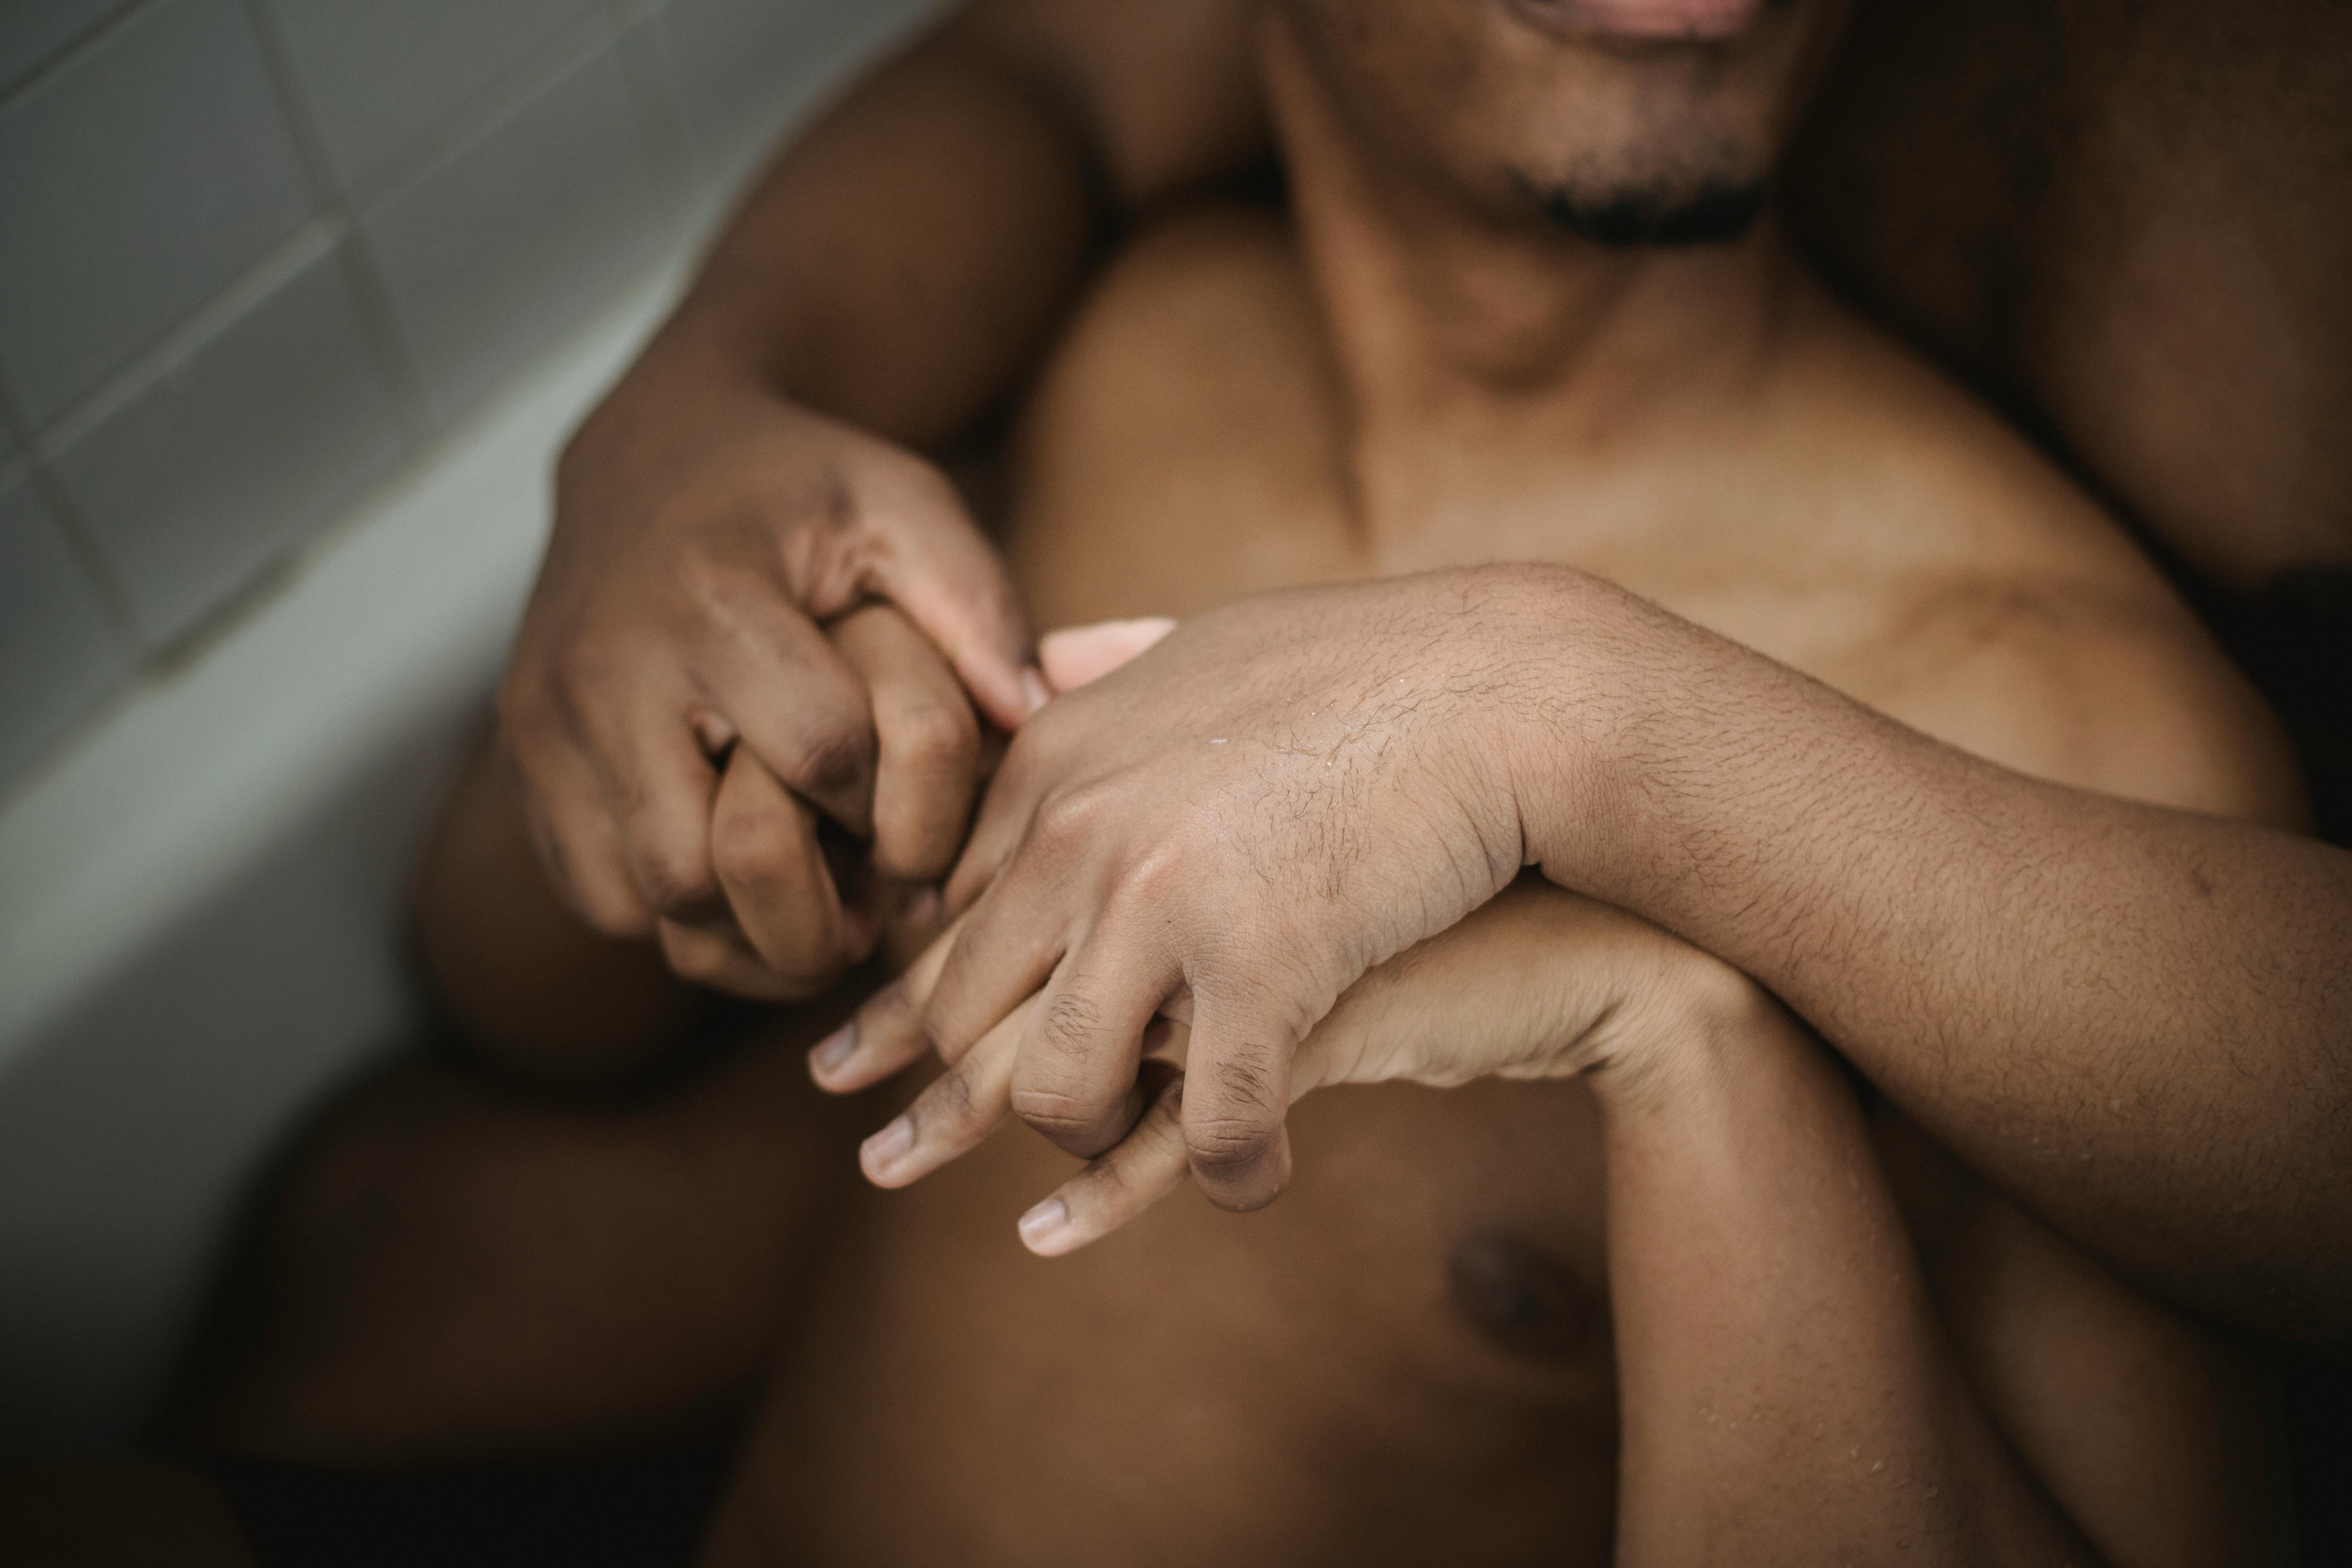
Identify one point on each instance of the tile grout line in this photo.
(656, 92)
(62, 57)
(394, 363)
(33, 441)
(344, 236)
(485, 110)
(511, 93)
(336, 215)
(112, 599)
(183, 337)
(701, 166)
(315, 239)
(332, 229)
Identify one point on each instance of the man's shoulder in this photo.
(1203, 318)
(2021, 623)
(2107, 687)
(1165, 91)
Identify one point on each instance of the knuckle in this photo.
(1105, 1187)
(611, 915)
(1054, 1112)
(912, 848)
(747, 852)
(600, 895)
(1071, 1025)
(1227, 1146)
(673, 880)
(1149, 876)
(949, 1102)
(830, 757)
(1070, 816)
(1246, 1086)
(833, 505)
(921, 489)
(936, 736)
(693, 958)
(1232, 1142)
(833, 531)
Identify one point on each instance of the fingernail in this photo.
(887, 1147)
(834, 1049)
(1033, 690)
(1044, 1223)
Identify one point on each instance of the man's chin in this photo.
(1694, 21)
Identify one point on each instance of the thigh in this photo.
(455, 1271)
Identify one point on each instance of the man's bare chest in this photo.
(1189, 442)
(1416, 1331)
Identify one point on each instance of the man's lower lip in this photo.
(1699, 20)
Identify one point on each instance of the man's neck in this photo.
(1446, 323)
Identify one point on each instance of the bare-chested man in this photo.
(1522, 301)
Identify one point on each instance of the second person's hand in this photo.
(1230, 831)
(681, 716)
(1537, 983)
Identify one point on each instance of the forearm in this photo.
(899, 266)
(1786, 1390)
(2138, 1022)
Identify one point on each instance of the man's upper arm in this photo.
(1166, 90)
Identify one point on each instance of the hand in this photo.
(705, 529)
(1230, 830)
(796, 913)
(785, 902)
(1536, 984)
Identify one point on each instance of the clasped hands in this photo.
(1270, 851)
(1269, 847)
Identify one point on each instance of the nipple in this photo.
(1518, 1296)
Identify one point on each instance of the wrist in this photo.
(1683, 1038)
(681, 388)
(1584, 670)
(702, 352)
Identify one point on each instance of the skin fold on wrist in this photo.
(1677, 1036)
(1568, 734)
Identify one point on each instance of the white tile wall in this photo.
(209, 789)
(256, 254)
(59, 649)
(267, 428)
(33, 32)
(493, 252)
(380, 75)
(135, 183)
